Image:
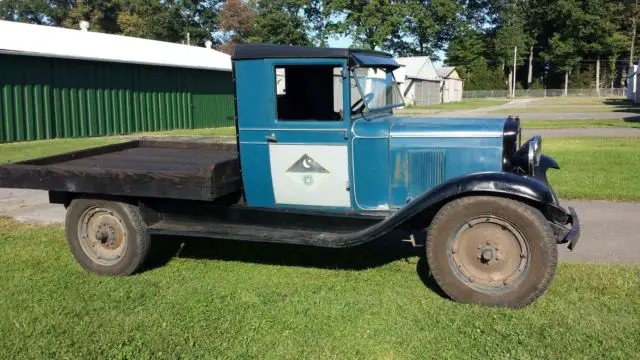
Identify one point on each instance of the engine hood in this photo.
(417, 154)
(446, 127)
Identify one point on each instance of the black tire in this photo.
(448, 251)
(127, 253)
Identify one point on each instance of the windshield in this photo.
(377, 87)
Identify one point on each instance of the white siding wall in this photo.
(452, 90)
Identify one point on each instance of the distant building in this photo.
(452, 84)
(57, 82)
(418, 81)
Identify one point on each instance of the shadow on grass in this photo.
(623, 105)
(385, 250)
(618, 102)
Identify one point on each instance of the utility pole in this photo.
(530, 76)
(188, 39)
(515, 56)
(598, 76)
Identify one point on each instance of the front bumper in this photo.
(574, 233)
(570, 231)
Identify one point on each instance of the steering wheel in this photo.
(359, 105)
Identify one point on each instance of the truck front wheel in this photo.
(491, 251)
(106, 237)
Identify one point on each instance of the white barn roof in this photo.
(445, 71)
(418, 67)
(49, 41)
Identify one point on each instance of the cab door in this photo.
(308, 140)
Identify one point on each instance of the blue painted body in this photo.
(392, 159)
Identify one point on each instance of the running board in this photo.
(260, 233)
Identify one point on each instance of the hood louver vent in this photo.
(426, 170)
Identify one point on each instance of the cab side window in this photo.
(309, 92)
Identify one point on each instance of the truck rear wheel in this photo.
(106, 237)
(491, 251)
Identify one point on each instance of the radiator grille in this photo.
(426, 170)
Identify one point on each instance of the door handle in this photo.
(271, 138)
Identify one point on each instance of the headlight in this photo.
(528, 156)
(510, 142)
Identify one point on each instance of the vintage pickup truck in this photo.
(321, 160)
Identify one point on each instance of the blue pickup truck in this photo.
(321, 160)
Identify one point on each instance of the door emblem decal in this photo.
(307, 172)
(307, 165)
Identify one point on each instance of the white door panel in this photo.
(314, 175)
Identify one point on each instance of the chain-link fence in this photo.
(480, 94)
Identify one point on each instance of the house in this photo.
(57, 83)
(418, 81)
(452, 84)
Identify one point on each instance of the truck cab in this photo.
(320, 159)
(316, 129)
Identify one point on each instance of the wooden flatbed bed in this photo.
(139, 168)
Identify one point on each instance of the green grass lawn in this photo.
(595, 168)
(461, 105)
(578, 123)
(237, 300)
(223, 131)
(14, 152)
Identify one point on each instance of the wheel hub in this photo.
(102, 235)
(489, 254)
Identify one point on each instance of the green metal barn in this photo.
(60, 83)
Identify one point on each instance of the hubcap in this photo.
(489, 254)
(102, 235)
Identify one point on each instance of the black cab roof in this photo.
(356, 57)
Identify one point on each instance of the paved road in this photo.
(610, 230)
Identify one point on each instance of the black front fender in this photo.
(510, 185)
(523, 188)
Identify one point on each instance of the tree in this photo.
(236, 21)
(427, 26)
(508, 35)
(101, 15)
(467, 51)
(635, 18)
(467, 47)
(564, 55)
(281, 22)
(150, 19)
(318, 19)
(370, 23)
(42, 12)
(170, 20)
(200, 18)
